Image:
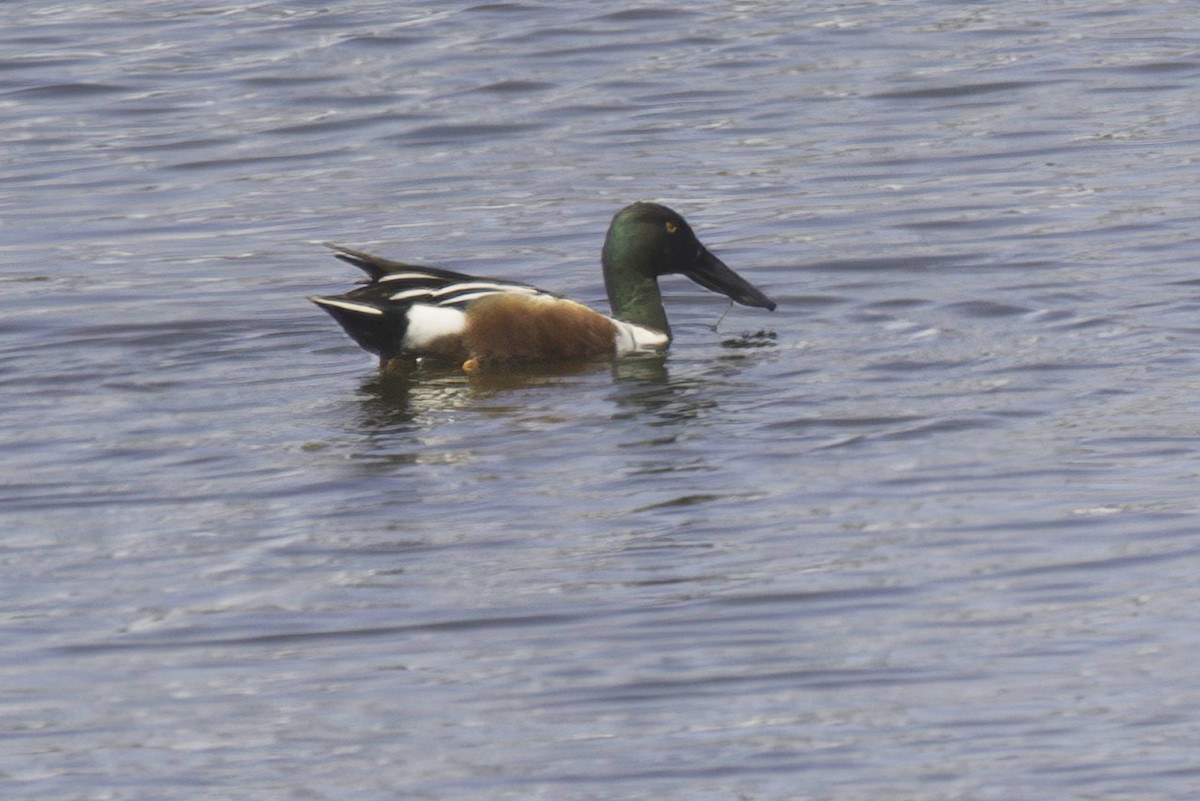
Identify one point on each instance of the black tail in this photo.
(379, 331)
(372, 314)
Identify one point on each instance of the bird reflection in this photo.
(415, 394)
(420, 394)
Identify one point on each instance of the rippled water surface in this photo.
(928, 531)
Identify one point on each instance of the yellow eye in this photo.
(672, 227)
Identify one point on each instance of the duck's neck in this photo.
(632, 287)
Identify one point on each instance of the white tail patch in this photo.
(427, 324)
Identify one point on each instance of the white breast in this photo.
(634, 338)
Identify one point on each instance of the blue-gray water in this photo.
(928, 531)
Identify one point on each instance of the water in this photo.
(928, 531)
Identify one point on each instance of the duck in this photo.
(403, 312)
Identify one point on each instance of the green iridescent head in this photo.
(646, 240)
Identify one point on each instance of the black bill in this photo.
(711, 273)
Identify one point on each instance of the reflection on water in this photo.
(400, 398)
(395, 401)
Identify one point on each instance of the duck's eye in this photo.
(671, 227)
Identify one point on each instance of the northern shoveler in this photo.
(403, 310)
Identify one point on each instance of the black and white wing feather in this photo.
(395, 282)
(399, 306)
